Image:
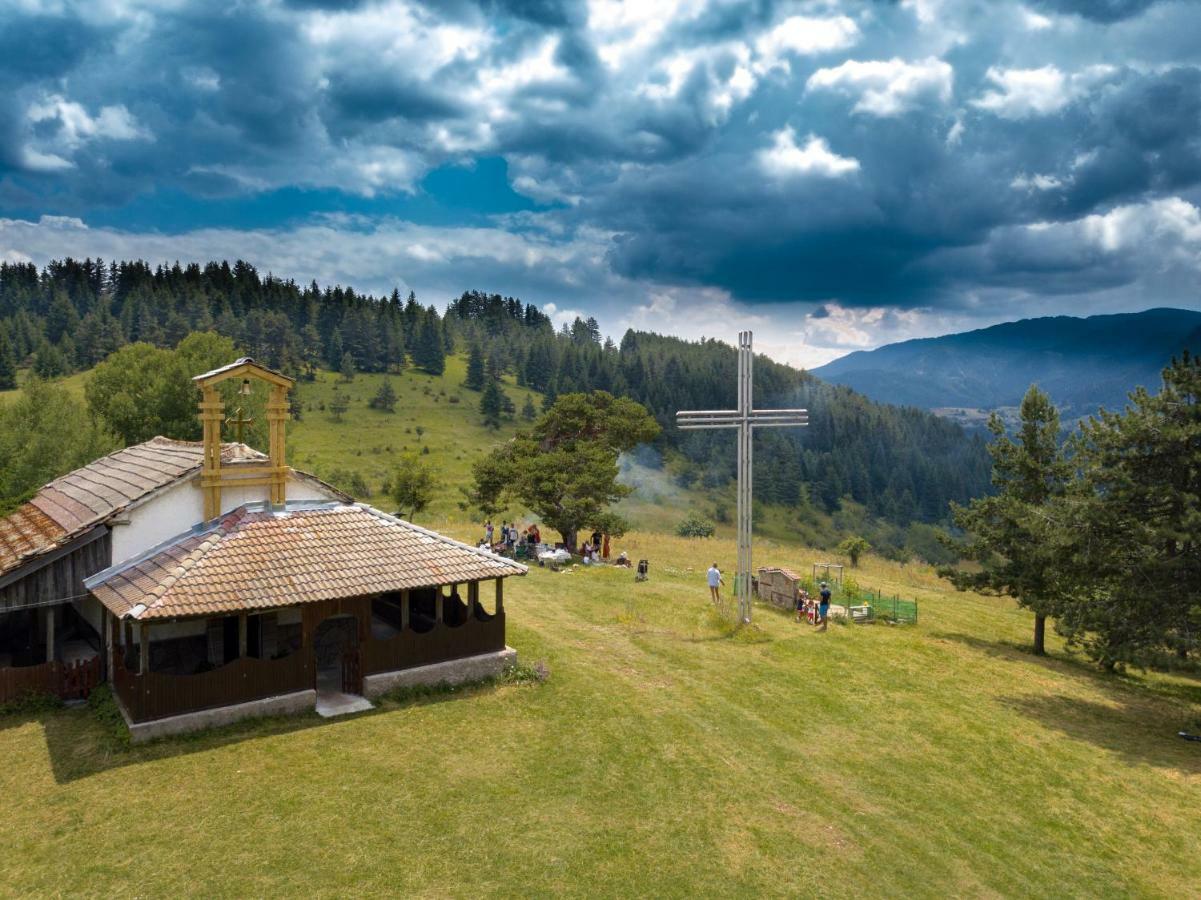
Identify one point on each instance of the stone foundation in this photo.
(285, 704)
(453, 671)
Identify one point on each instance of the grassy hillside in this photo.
(661, 758)
(366, 441)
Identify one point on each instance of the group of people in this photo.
(816, 611)
(595, 549)
(510, 537)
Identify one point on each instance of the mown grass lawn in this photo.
(661, 758)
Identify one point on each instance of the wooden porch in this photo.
(392, 632)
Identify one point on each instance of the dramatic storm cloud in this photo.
(835, 175)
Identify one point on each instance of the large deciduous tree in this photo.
(44, 433)
(142, 391)
(1012, 533)
(565, 468)
(412, 485)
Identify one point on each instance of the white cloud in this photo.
(36, 161)
(75, 126)
(887, 87)
(785, 159)
(1170, 224)
(1025, 92)
(806, 35)
(1036, 182)
(1022, 93)
(64, 126)
(1035, 21)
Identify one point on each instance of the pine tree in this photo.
(427, 353)
(1010, 533)
(475, 368)
(8, 364)
(346, 367)
(385, 398)
(491, 403)
(527, 410)
(335, 351)
(338, 405)
(1135, 527)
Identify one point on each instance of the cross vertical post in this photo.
(745, 419)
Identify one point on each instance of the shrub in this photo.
(352, 483)
(695, 526)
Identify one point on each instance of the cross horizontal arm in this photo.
(706, 412)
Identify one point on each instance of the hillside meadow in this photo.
(661, 757)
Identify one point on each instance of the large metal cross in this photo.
(746, 418)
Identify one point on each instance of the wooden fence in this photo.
(480, 634)
(69, 681)
(155, 695)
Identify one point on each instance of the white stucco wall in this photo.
(178, 508)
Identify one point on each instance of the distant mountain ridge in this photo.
(1082, 363)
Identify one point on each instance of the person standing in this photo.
(715, 583)
(823, 606)
(488, 533)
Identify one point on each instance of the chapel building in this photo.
(208, 582)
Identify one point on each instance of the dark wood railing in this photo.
(154, 695)
(410, 648)
(69, 681)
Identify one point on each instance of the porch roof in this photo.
(259, 558)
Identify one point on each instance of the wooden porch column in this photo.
(473, 598)
(49, 620)
(438, 605)
(500, 595)
(144, 652)
(106, 657)
(404, 610)
(242, 636)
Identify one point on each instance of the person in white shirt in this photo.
(715, 582)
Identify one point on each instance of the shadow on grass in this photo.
(1182, 687)
(1139, 733)
(83, 742)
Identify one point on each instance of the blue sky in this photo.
(834, 175)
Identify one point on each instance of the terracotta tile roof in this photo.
(255, 558)
(79, 500)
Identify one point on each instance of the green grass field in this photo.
(661, 758)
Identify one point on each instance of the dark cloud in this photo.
(371, 95)
(1097, 10)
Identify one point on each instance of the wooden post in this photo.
(500, 595)
(404, 609)
(212, 414)
(242, 636)
(107, 656)
(438, 605)
(277, 414)
(49, 633)
(144, 652)
(473, 598)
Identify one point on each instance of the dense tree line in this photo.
(902, 465)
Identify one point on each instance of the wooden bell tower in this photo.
(273, 471)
